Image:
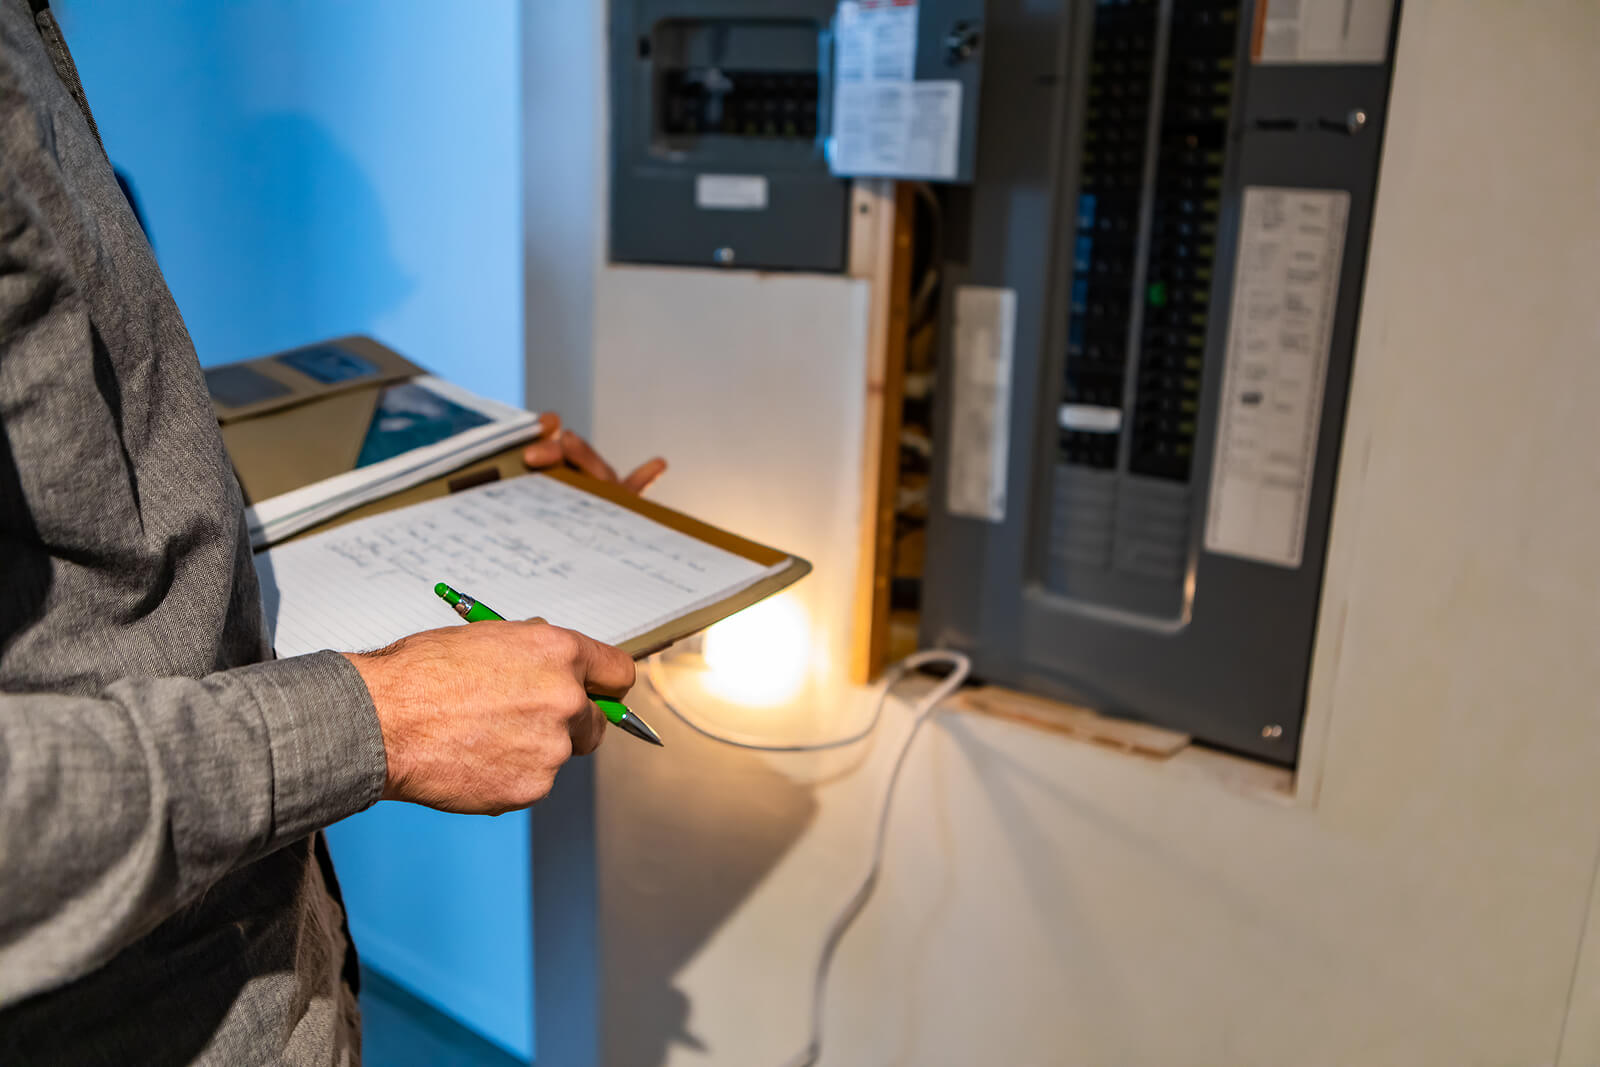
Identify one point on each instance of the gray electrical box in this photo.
(725, 146)
(1151, 298)
(718, 135)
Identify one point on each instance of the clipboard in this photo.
(664, 637)
(508, 464)
(297, 417)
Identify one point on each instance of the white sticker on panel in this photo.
(885, 123)
(980, 429)
(730, 192)
(876, 40)
(900, 129)
(1285, 288)
(1089, 418)
(1323, 31)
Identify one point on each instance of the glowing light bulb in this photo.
(759, 656)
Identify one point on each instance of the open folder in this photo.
(558, 545)
(318, 430)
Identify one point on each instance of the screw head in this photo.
(1272, 731)
(1355, 120)
(961, 42)
(723, 255)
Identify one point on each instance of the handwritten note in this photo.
(528, 546)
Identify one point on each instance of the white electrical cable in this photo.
(655, 676)
(960, 667)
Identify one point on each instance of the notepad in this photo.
(527, 546)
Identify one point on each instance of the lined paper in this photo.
(528, 546)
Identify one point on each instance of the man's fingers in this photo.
(644, 475)
(607, 670)
(556, 446)
(546, 451)
(587, 731)
(585, 458)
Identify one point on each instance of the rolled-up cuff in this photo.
(328, 760)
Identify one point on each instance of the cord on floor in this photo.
(960, 668)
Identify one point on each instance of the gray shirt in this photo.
(164, 893)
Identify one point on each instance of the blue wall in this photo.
(310, 168)
(316, 167)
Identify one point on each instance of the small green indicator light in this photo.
(1156, 294)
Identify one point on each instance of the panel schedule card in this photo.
(572, 552)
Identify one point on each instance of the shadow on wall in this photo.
(285, 243)
(657, 916)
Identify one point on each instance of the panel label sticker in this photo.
(985, 324)
(1285, 288)
(885, 122)
(730, 192)
(1089, 418)
(897, 129)
(1322, 31)
(876, 40)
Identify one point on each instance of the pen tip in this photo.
(638, 728)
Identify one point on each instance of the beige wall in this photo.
(752, 386)
(1424, 898)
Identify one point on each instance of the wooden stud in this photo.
(880, 251)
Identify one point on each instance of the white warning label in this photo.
(1322, 31)
(980, 424)
(886, 123)
(877, 40)
(1285, 288)
(897, 129)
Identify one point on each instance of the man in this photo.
(165, 892)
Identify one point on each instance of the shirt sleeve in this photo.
(121, 801)
(116, 810)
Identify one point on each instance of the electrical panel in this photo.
(1153, 290)
(736, 123)
(718, 111)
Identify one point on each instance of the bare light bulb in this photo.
(759, 657)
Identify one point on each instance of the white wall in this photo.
(563, 144)
(753, 386)
(564, 180)
(1047, 902)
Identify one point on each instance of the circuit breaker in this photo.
(736, 124)
(717, 135)
(1152, 298)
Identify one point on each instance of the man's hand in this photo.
(478, 719)
(556, 446)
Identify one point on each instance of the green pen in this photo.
(615, 711)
